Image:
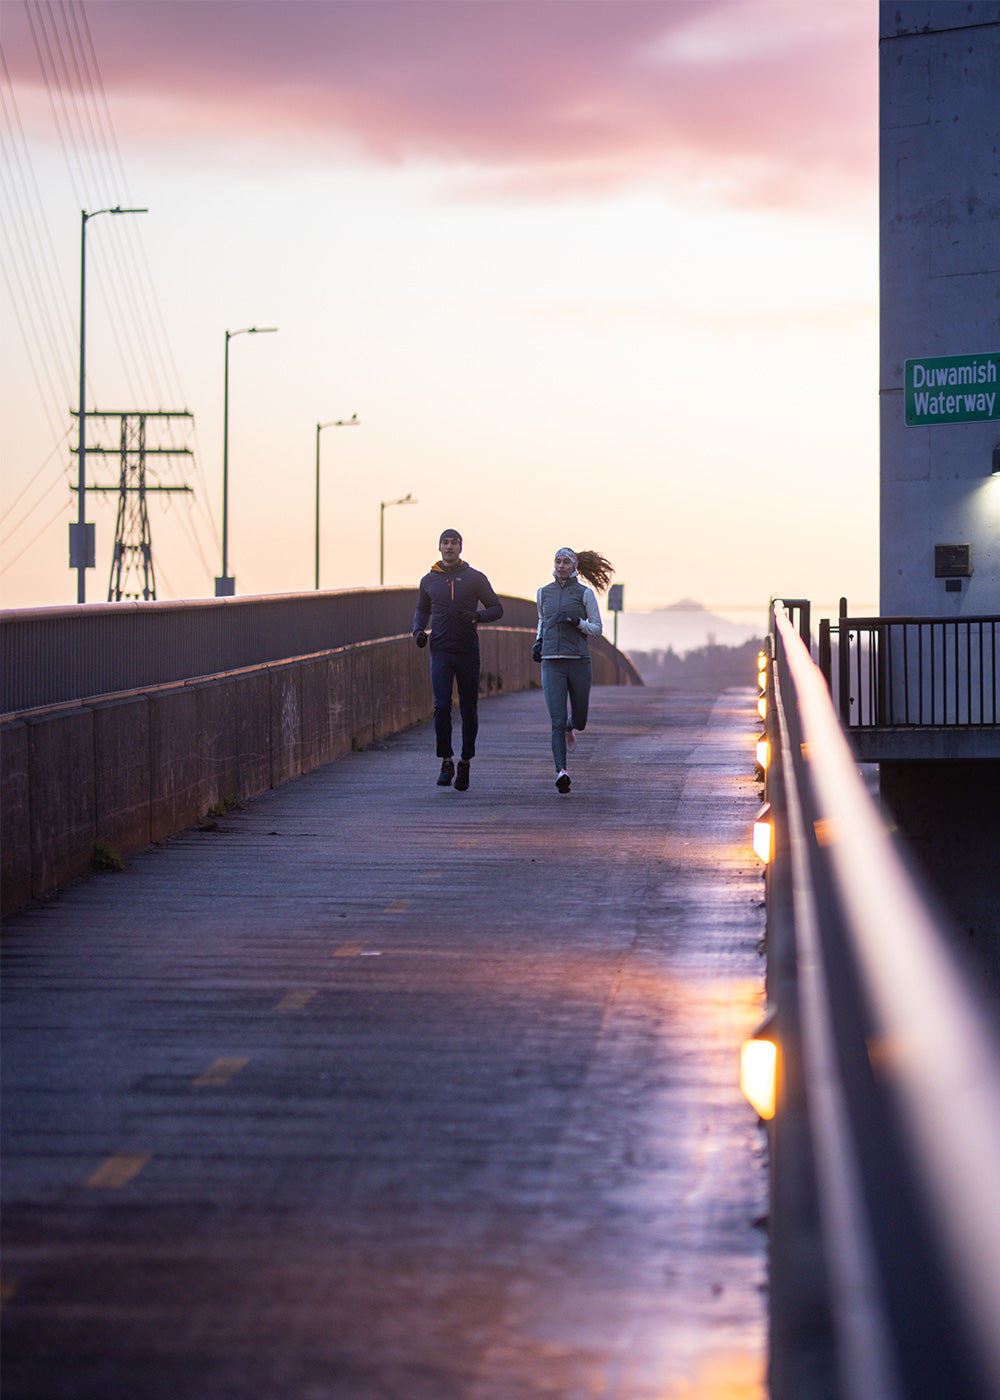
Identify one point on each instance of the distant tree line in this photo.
(710, 667)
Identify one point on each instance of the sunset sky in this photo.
(589, 272)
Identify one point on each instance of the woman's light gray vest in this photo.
(561, 638)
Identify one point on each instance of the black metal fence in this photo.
(912, 671)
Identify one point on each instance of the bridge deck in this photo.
(384, 1090)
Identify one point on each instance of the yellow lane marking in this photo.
(348, 950)
(119, 1169)
(398, 906)
(220, 1071)
(294, 1001)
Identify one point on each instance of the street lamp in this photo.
(351, 422)
(81, 541)
(225, 586)
(406, 500)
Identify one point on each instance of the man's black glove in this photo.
(420, 638)
(568, 617)
(536, 651)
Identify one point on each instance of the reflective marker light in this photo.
(759, 1073)
(763, 751)
(763, 833)
(762, 706)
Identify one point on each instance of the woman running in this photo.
(567, 615)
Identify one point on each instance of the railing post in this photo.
(881, 639)
(844, 665)
(826, 653)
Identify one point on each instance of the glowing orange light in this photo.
(762, 706)
(764, 751)
(759, 1075)
(763, 833)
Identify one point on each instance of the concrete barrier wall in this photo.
(62, 810)
(129, 769)
(15, 837)
(134, 768)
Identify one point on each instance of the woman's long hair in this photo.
(594, 568)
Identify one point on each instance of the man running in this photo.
(449, 600)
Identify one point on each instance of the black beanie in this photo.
(445, 533)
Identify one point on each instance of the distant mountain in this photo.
(681, 627)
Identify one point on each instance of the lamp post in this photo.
(81, 553)
(406, 500)
(225, 586)
(351, 422)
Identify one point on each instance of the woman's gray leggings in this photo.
(566, 686)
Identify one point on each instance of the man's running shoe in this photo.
(462, 778)
(562, 781)
(446, 774)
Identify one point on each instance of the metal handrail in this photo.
(901, 1072)
(58, 656)
(50, 656)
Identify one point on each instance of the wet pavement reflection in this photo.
(383, 1090)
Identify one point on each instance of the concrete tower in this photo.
(939, 69)
(939, 66)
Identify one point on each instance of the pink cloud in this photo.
(768, 100)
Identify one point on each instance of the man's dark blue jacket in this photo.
(449, 600)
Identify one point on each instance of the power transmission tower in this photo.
(132, 556)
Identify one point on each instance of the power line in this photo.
(31, 262)
(28, 485)
(71, 74)
(144, 286)
(34, 539)
(81, 115)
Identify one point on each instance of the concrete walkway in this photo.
(380, 1091)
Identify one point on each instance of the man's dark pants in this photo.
(448, 667)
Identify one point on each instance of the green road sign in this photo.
(952, 389)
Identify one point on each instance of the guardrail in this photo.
(885, 1141)
(49, 656)
(54, 656)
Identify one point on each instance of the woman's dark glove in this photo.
(536, 651)
(420, 638)
(568, 617)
